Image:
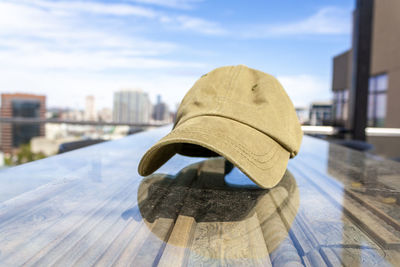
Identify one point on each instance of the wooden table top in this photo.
(334, 206)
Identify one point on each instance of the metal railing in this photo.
(369, 131)
(75, 122)
(307, 129)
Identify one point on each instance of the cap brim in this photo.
(257, 155)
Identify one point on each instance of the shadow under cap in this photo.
(199, 192)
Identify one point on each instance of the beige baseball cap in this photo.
(239, 113)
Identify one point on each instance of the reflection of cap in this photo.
(199, 195)
(240, 113)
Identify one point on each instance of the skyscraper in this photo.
(131, 106)
(21, 106)
(161, 111)
(90, 109)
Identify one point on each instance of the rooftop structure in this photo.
(320, 113)
(384, 81)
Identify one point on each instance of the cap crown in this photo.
(248, 96)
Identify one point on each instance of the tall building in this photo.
(90, 109)
(161, 111)
(131, 106)
(384, 81)
(21, 106)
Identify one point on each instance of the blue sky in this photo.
(73, 48)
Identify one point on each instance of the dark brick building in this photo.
(21, 106)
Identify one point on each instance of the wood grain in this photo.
(176, 250)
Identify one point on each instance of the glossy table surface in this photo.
(333, 207)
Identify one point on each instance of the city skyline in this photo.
(67, 50)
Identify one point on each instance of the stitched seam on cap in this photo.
(220, 100)
(244, 153)
(236, 144)
(235, 141)
(287, 148)
(228, 94)
(227, 91)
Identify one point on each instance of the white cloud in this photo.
(199, 25)
(327, 21)
(36, 38)
(52, 48)
(42, 14)
(68, 7)
(302, 89)
(179, 4)
(84, 61)
(19, 19)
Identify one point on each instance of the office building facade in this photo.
(131, 106)
(90, 108)
(320, 113)
(161, 111)
(384, 82)
(21, 106)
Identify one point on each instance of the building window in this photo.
(341, 99)
(377, 100)
(25, 108)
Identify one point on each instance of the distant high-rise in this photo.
(161, 111)
(21, 106)
(131, 106)
(90, 109)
